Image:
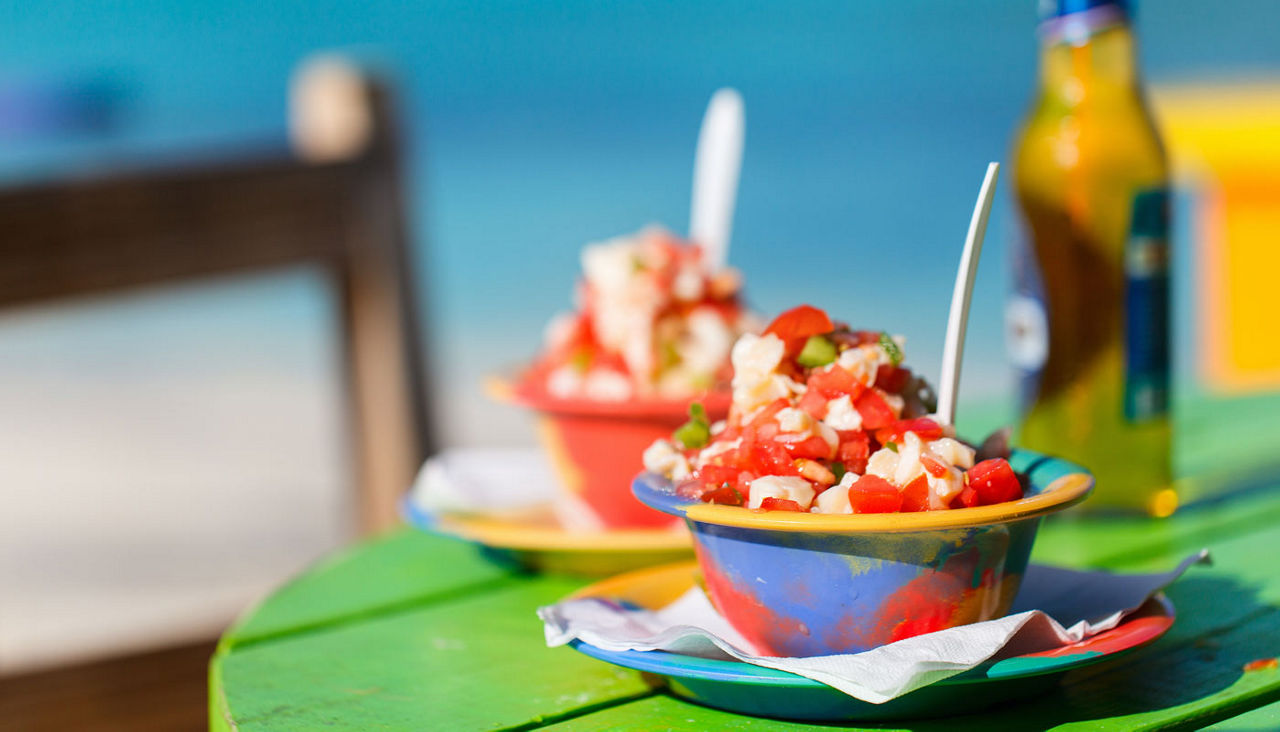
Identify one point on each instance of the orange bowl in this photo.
(596, 447)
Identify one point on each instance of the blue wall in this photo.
(538, 126)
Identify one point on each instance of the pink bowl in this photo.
(596, 447)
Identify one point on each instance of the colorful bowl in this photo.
(804, 584)
(596, 447)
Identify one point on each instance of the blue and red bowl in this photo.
(805, 584)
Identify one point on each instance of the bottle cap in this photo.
(1050, 9)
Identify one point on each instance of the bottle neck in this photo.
(1089, 52)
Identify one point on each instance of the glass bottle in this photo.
(1088, 320)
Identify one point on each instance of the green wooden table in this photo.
(414, 631)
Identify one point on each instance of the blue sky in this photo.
(536, 127)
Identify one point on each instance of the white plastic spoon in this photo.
(958, 319)
(715, 176)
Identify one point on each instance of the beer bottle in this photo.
(1088, 320)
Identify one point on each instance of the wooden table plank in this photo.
(1263, 719)
(471, 662)
(402, 568)
(385, 650)
(391, 665)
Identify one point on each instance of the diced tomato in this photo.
(833, 381)
(875, 411)
(813, 447)
(925, 428)
(796, 325)
(932, 465)
(815, 403)
(915, 496)
(769, 412)
(714, 476)
(767, 457)
(1262, 664)
(610, 362)
(780, 504)
(734, 459)
(732, 431)
(726, 495)
(578, 336)
(854, 449)
(892, 379)
(994, 481)
(766, 431)
(873, 494)
(968, 497)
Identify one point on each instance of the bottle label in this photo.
(1146, 312)
(1026, 325)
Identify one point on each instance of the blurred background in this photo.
(170, 452)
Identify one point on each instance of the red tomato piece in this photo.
(770, 458)
(815, 403)
(714, 476)
(854, 449)
(994, 481)
(875, 411)
(814, 448)
(726, 495)
(833, 381)
(800, 322)
(873, 494)
(915, 496)
(732, 431)
(932, 465)
(968, 497)
(780, 504)
(579, 336)
(1262, 664)
(610, 362)
(925, 428)
(769, 412)
(767, 431)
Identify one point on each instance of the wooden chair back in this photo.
(155, 226)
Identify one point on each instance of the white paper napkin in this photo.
(498, 482)
(1055, 607)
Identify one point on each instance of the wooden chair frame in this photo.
(94, 236)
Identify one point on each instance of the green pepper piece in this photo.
(817, 351)
(838, 470)
(890, 347)
(697, 431)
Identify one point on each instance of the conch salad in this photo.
(651, 322)
(826, 419)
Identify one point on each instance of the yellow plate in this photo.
(540, 543)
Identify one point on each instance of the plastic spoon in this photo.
(958, 319)
(715, 176)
